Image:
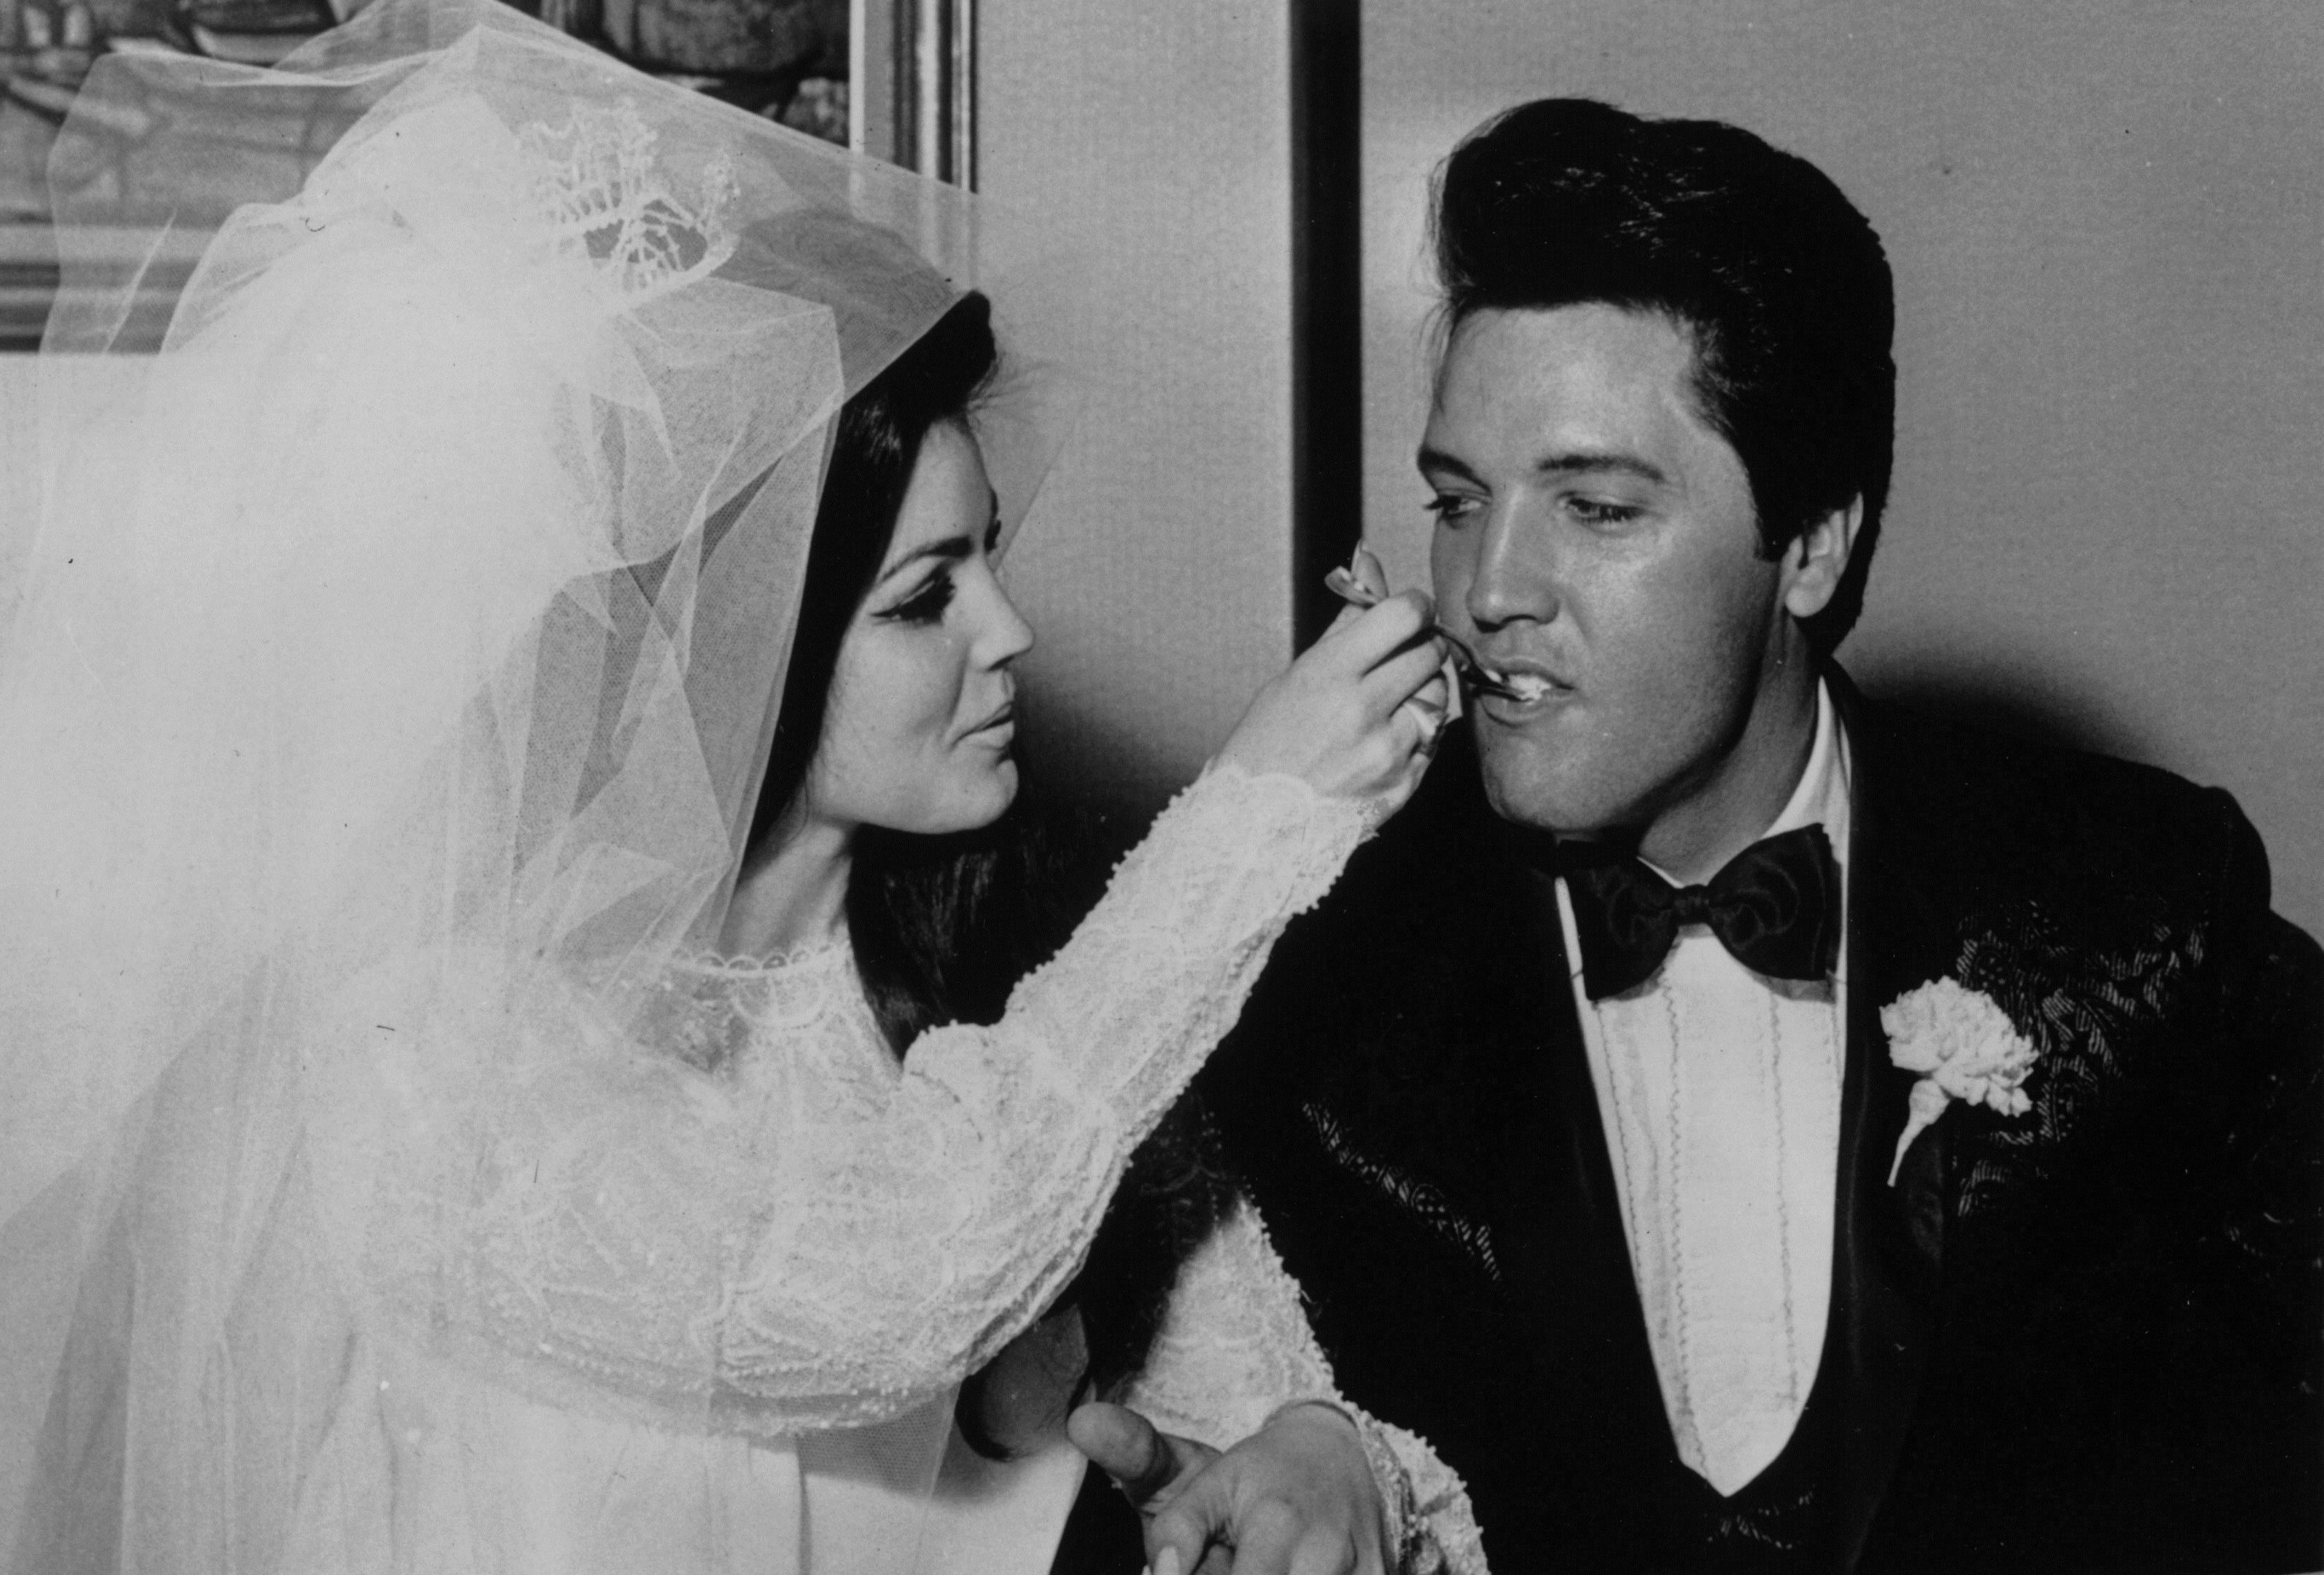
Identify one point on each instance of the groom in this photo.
(1742, 1126)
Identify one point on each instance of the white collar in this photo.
(1821, 795)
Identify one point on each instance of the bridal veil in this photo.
(432, 430)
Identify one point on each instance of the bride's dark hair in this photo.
(944, 926)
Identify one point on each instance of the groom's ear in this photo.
(1813, 565)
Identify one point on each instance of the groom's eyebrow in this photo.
(1596, 462)
(1578, 462)
(1436, 461)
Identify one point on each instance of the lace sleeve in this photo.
(833, 1240)
(1236, 1348)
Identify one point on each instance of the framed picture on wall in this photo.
(895, 79)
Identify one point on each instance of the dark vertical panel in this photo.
(1326, 304)
(961, 112)
(934, 70)
(906, 73)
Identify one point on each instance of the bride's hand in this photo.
(1357, 715)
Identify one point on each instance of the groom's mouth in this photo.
(1518, 689)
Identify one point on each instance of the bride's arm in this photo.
(1235, 1351)
(832, 1241)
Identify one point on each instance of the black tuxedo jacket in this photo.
(2085, 1338)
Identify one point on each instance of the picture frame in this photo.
(897, 82)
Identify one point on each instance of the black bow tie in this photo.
(1775, 907)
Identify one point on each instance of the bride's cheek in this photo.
(889, 683)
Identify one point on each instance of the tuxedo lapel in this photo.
(1889, 1241)
(1569, 1310)
(1584, 1295)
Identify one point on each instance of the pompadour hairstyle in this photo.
(1778, 280)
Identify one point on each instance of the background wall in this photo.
(2106, 222)
(1155, 564)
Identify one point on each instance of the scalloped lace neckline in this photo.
(808, 956)
(715, 1009)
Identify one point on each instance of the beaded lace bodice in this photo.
(728, 1206)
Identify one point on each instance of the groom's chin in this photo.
(1530, 783)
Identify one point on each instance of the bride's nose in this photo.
(1001, 635)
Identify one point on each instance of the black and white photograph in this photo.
(1078, 788)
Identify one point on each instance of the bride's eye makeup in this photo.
(925, 605)
(925, 602)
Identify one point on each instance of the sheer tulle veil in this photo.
(431, 437)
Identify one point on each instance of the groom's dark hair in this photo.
(1778, 280)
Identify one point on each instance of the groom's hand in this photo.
(1296, 1498)
(1151, 1466)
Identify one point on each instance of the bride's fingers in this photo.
(1326, 718)
(1357, 645)
(1403, 677)
(1438, 696)
(1426, 721)
(1437, 690)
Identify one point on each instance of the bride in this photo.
(453, 695)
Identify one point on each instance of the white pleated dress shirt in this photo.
(1720, 1090)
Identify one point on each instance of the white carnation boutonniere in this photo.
(1963, 1045)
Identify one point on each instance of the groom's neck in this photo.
(1729, 804)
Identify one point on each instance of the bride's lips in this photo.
(998, 728)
